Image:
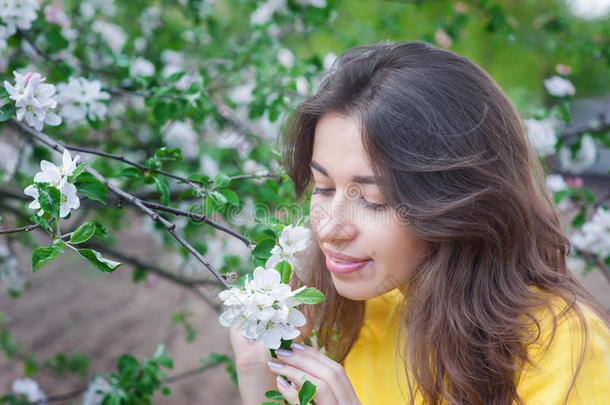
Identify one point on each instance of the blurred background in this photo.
(216, 79)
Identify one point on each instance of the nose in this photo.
(333, 223)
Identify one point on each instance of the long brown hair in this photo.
(458, 164)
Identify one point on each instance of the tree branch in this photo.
(170, 227)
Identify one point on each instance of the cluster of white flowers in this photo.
(56, 176)
(91, 396)
(34, 100)
(16, 14)
(150, 20)
(113, 34)
(542, 136)
(555, 183)
(141, 67)
(81, 98)
(265, 309)
(296, 246)
(29, 388)
(182, 135)
(559, 87)
(285, 57)
(88, 8)
(594, 235)
(585, 157)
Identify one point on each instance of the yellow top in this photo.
(376, 372)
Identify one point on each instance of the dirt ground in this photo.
(74, 307)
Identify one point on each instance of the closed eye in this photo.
(363, 202)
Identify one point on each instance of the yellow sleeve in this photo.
(549, 383)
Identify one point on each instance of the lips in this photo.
(343, 257)
(341, 267)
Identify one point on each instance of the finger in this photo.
(324, 394)
(320, 366)
(288, 391)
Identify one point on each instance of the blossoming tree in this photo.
(171, 108)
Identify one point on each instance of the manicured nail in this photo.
(282, 382)
(298, 346)
(275, 366)
(284, 353)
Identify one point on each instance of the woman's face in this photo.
(350, 217)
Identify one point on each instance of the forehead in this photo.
(338, 147)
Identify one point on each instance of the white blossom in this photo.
(265, 11)
(113, 34)
(182, 135)
(141, 67)
(242, 94)
(285, 57)
(18, 14)
(81, 98)
(91, 396)
(56, 176)
(542, 136)
(68, 198)
(29, 388)
(265, 309)
(150, 20)
(559, 87)
(297, 246)
(594, 235)
(302, 85)
(555, 182)
(34, 100)
(584, 158)
(56, 15)
(208, 166)
(88, 8)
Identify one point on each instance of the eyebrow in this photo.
(357, 179)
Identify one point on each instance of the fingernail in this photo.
(282, 352)
(274, 365)
(282, 382)
(298, 346)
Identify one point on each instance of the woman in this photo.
(441, 254)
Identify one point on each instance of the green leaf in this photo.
(49, 198)
(83, 233)
(310, 295)
(131, 172)
(263, 248)
(138, 275)
(162, 189)
(166, 391)
(221, 180)
(43, 255)
(284, 269)
(559, 195)
(230, 196)
(306, 393)
(77, 172)
(7, 111)
(96, 259)
(91, 187)
(579, 219)
(168, 154)
(175, 77)
(275, 395)
(3, 92)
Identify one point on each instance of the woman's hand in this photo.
(248, 354)
(306, 363)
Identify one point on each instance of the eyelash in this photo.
(363, 202)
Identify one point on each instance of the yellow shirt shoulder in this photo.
(377, 374)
